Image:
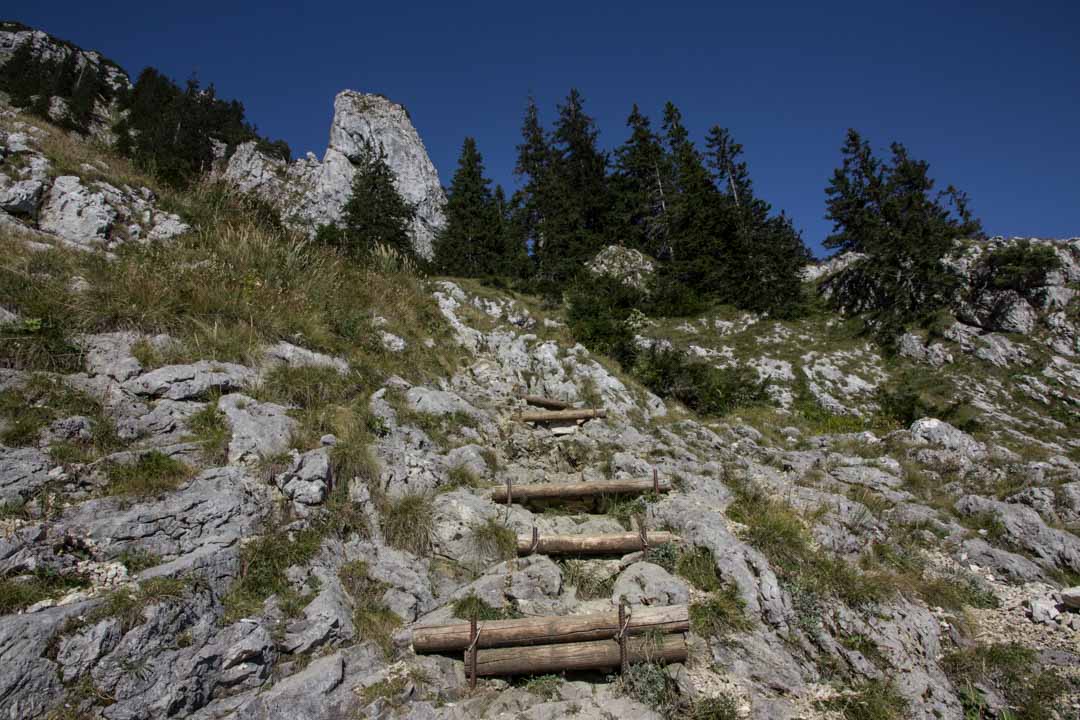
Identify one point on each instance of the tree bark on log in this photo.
(548, 403)
(570, 491)
(615, 544)
(596, 655)
(550, 630)
(562, 415)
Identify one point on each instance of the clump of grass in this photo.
(590, 582)
(545, 687)
(137, 560)
(719, 614)
(372, 619)
(666, 556)
(42, 399)
(306, 386)
(493, 540)
(1032, 691)
(872, 700)
(128, 605)
(210, 429)
(460, 476)
(469, 606)
(721, 707)
(908, 570)
(153, 473)
(777, 530)
(649, 684)
(988, 521)
(408, 522)
(265, 559)
(18, 593)
(624, 509)
(699, 568)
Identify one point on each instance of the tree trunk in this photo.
(616, 544)
(550, 630)
(561, 415)
(571, 491)
(597, 655)
(548, 403)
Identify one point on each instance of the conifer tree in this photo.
(695, 245)
(533, 166)
(640, 185)
(575, 195)
(375, 214)
(887, 211)
(762, 257)
(471, 244)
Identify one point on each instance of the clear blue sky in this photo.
(990, 96)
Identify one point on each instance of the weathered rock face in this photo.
(46, 47)
(312, 193)
(629, 266)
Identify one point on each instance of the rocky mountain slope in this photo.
(237, 472)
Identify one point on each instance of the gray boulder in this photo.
(259, 430)
(308, 480)
(23, 471)
(191, 382)
(76, 213)
(22, 197)
(644, 583)
(284, 353)
(1023, 527)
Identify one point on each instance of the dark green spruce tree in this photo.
(533, 167)
(640, 185)
(763, 256)
(575, 196)
(471, 244)
(375, 214)
(696, 249)
(888, 211)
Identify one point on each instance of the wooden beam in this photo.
(615, 544)
(562, 415)
(548, 403)
(550, 630)
(571, 491)
(596, 655)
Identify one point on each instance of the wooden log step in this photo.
(571, 491)
(550, 630)
(595, 655)
(561, 415)
(548, 403)
(614, 544)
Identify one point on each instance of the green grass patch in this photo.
(137, 560)
(591, 583)
(460, 476)
(720, 614)
(372, 619)
(153, 473)
(493, 540)
(209, 428)
(408, 522)
(472, 606)
(721, 707)
(1031, 690)
(31, 407)
(545, 687)
(872, 700)
(20, 592)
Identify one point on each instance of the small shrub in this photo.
(153, 473)
(408, 523)
(623, 509)
(666, 556)
(699, 386)
(372, 619)
(1019, 266)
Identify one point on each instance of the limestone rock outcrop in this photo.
(311, 193)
